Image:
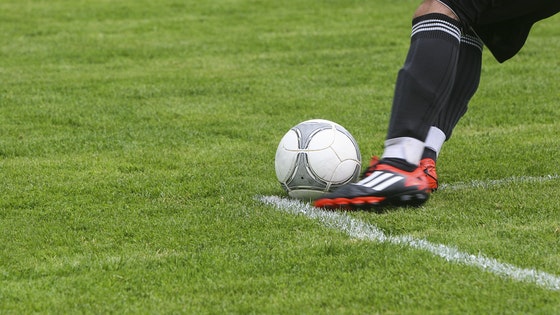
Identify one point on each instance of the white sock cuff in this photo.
(435, 139)
(405, 148)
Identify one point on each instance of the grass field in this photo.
(136, 137)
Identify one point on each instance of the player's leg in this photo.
(423, 86)
(465, 86)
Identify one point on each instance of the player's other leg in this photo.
(466, 83)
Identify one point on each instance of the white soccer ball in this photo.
(316, 156)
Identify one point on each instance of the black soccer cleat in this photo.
(385, 185)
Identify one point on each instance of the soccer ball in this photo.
(316, 156)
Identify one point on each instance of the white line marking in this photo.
(364, 231)
(498, 182)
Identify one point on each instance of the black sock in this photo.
(429, 154)
(425, 81)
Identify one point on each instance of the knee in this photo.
(434, 6)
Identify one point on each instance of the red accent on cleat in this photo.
(429, 167)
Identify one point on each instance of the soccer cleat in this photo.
(386, 185)
(428, 166)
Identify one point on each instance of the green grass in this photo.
(135, 135)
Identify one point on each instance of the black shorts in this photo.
(503, 25)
